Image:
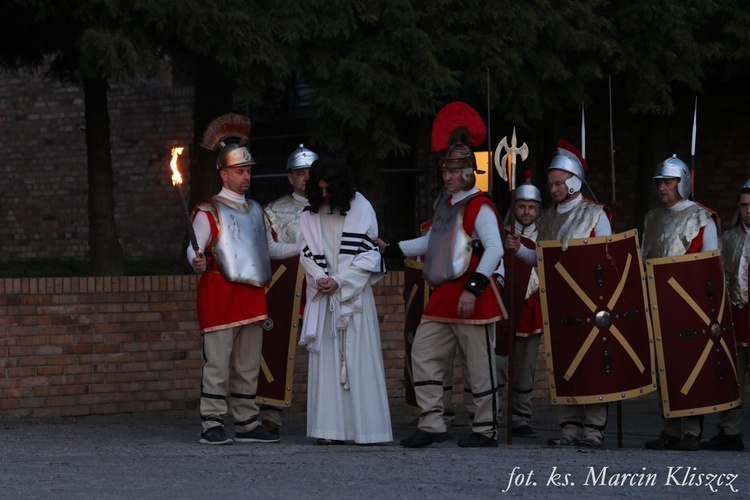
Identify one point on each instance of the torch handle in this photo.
(188, 219)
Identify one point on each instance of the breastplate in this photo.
(669, 233)
(449, 249)
(241, 249)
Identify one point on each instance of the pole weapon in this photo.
(692, 145)
(613, 220)
(489, 140)
(583, 130)
(509, 160)
(613, 203)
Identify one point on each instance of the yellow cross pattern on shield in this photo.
(596, 322)
(695, 343)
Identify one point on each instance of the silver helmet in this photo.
(528, 191)
(570, 160)
(301, 158)
(233, 155)
(746, 185)
(674, 168)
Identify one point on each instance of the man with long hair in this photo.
(346, 392)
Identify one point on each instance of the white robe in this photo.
(350, 405)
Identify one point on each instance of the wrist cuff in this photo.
(476, 284)
(393, 251)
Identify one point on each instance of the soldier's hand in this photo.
(380, 243)
(466, 304)
(199, 263)
(512, 242)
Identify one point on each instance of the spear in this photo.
(692, 145)
(612, 178)
(583, 130)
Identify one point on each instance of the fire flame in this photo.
(176, 177)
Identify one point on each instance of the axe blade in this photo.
(501, 159)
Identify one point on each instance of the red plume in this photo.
(229, 126)
(452, 116)
(567, 149)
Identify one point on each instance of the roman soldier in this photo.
(286, 296)
(735, 253)
(462, 249)
(528, 328)
(573, 216)
(233, 260)
(679, 226)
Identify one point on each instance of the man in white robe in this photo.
(346, 391)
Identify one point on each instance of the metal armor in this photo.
(669, 232)
(240, 248)
(447, 233)
(577, 223)
(735, 253)
(284, 217)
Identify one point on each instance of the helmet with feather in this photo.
(457, 129)
(228, 135)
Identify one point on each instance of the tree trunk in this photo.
(106, 252)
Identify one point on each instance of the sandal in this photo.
(563, 441)
(329, 442)
(591, 442)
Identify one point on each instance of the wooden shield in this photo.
(596, 324)
(280, 332)
(695, 344)
(517, 275)
(416, 294)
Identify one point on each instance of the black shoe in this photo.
(663, 442)
(689, 443)
(724, 442)
(257, 435)
(476, 440)
(215, 435)
(423, 438)
(524, 431)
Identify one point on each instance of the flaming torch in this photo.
(177, 183)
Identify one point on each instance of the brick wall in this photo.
(80, 346)
(43, 199)
(43, 163)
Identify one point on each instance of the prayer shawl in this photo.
(356, 250)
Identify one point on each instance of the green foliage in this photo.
(659, 48)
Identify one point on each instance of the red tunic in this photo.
(530, 322)
(222, 304)
(443, 303)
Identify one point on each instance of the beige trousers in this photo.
(231, 364)
(432, 353)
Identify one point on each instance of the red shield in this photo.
(596, 322)
(517, 275)
(416, 294)
(695, 344)
(284, 298)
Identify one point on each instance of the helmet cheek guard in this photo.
(574, 184)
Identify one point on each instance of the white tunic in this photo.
(354, 405)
